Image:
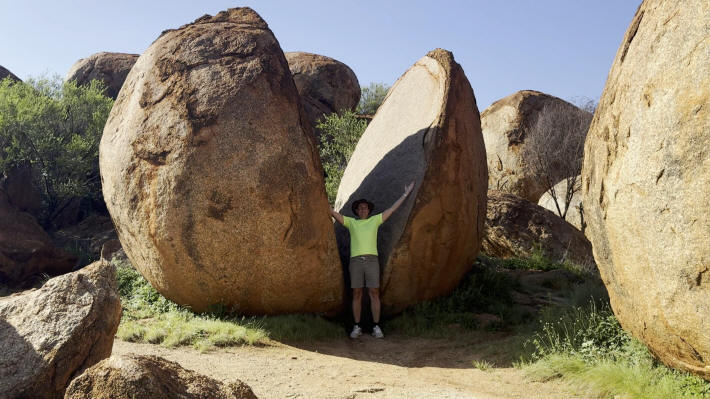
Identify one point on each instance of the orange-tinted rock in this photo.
(211, 174)
(646, 182)
(426, 131)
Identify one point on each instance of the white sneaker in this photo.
(357, 331)
(377, 332)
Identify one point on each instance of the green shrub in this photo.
(339, 134)
(55, 128)
(371, 98)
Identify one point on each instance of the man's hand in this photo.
(407, 189)
(337, 216)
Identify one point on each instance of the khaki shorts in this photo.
(364, 269)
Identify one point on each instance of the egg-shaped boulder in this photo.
(428, 132)
(211, 174)
(646, 182)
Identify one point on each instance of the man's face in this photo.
(363, 210)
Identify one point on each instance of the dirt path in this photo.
(396, 367)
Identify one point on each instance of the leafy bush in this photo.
(339, 134)
(55, 128)
(371, 98)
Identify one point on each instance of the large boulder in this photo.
(149, 377)
(325, 85)
(515, 227)
(4, 73)
(512, 126)
(211, 174)
(646, 182)
(555, 200)
(50, 335)
(26, 250)
(427, 131)
(110, 68)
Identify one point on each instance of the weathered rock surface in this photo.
(574, 211)
(52, 334)
(427, 131)
(148, 377)
(517, 227)
(110, 68)
(646, 182)
(507, 126)
(21, 193)
(5, 73)
(325, 85)
(25, 248)
(213, 180)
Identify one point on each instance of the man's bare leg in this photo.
(357, 304)
(375, 303)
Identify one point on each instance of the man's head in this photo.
(362, 208)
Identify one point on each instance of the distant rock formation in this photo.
(646, 182)
(517, 227)
(325, 85)
(211, 174)
(110, 68)
(149, 377)
(427, 131)
(508, 126)
(4, 73)
(50, 335)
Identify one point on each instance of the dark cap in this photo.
(360, 201)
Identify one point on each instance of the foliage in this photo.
(484, 289)
(150, 317)
(55, 128)
(587, 347)
(371, 98)
(339, 134)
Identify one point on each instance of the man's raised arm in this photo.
(386, 214)
(337, 216)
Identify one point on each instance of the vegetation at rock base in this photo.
(55, 128)
(371, 98)
(578, 340)
(150, 317)
(339, 134)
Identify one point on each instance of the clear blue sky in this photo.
(561, 47)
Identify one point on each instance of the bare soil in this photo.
(395, 367)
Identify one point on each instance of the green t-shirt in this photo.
(363, 234)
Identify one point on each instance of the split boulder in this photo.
(510, 125)
(148, 377)
(515, 227)
(646, 182)
(50, 335)
(211, 174)
(110, 68)
(325, 85)
(427, 131)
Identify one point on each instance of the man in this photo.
(364, 266)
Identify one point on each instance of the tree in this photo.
(339, 134)
(371, 98)
(554, 148)
(55, 128)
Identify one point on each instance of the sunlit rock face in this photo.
(428, 132)
(646, 182)
(211, 174)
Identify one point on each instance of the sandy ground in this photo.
(396, 367)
